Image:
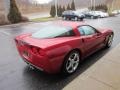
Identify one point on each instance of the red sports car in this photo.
(61, 46)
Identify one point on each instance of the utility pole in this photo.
(56, 3)
(7, 8)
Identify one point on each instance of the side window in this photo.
(86, 30)
(81, 30)
(67, 34)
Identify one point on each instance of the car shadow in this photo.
(38, 80)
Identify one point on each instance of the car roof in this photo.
(72, 24)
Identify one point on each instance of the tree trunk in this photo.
(6, 9)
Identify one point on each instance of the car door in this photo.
(72, 15)
(92, 39)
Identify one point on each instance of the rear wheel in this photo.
(64, 18)
(109, 41)
(71, 63)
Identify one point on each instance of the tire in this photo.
(76, 18)
(99, 16)
(71, 63)
(92, 17)
(109, 41)
(64, 18)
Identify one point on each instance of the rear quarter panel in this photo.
(58, 52)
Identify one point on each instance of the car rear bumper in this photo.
(43, 63)
(40, 62)
(34, 66)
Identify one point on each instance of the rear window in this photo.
(53, 32)
(68, 13)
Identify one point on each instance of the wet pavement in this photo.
(15, 74)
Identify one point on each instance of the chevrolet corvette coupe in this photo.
(61, 46)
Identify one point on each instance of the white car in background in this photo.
(101, 14)
(115, 12)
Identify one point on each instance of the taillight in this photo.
(20, 42)
(35, 50)
(38, 51)
(16, 41)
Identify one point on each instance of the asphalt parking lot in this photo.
(14, 73)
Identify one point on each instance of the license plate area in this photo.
(26, 54)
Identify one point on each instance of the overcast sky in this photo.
(42, 1)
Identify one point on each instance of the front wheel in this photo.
(76, 18)
(109, 40)
(71, 63)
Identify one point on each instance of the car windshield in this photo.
(53, 32)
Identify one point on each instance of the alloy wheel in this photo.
(110, 39)
(72, 62)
